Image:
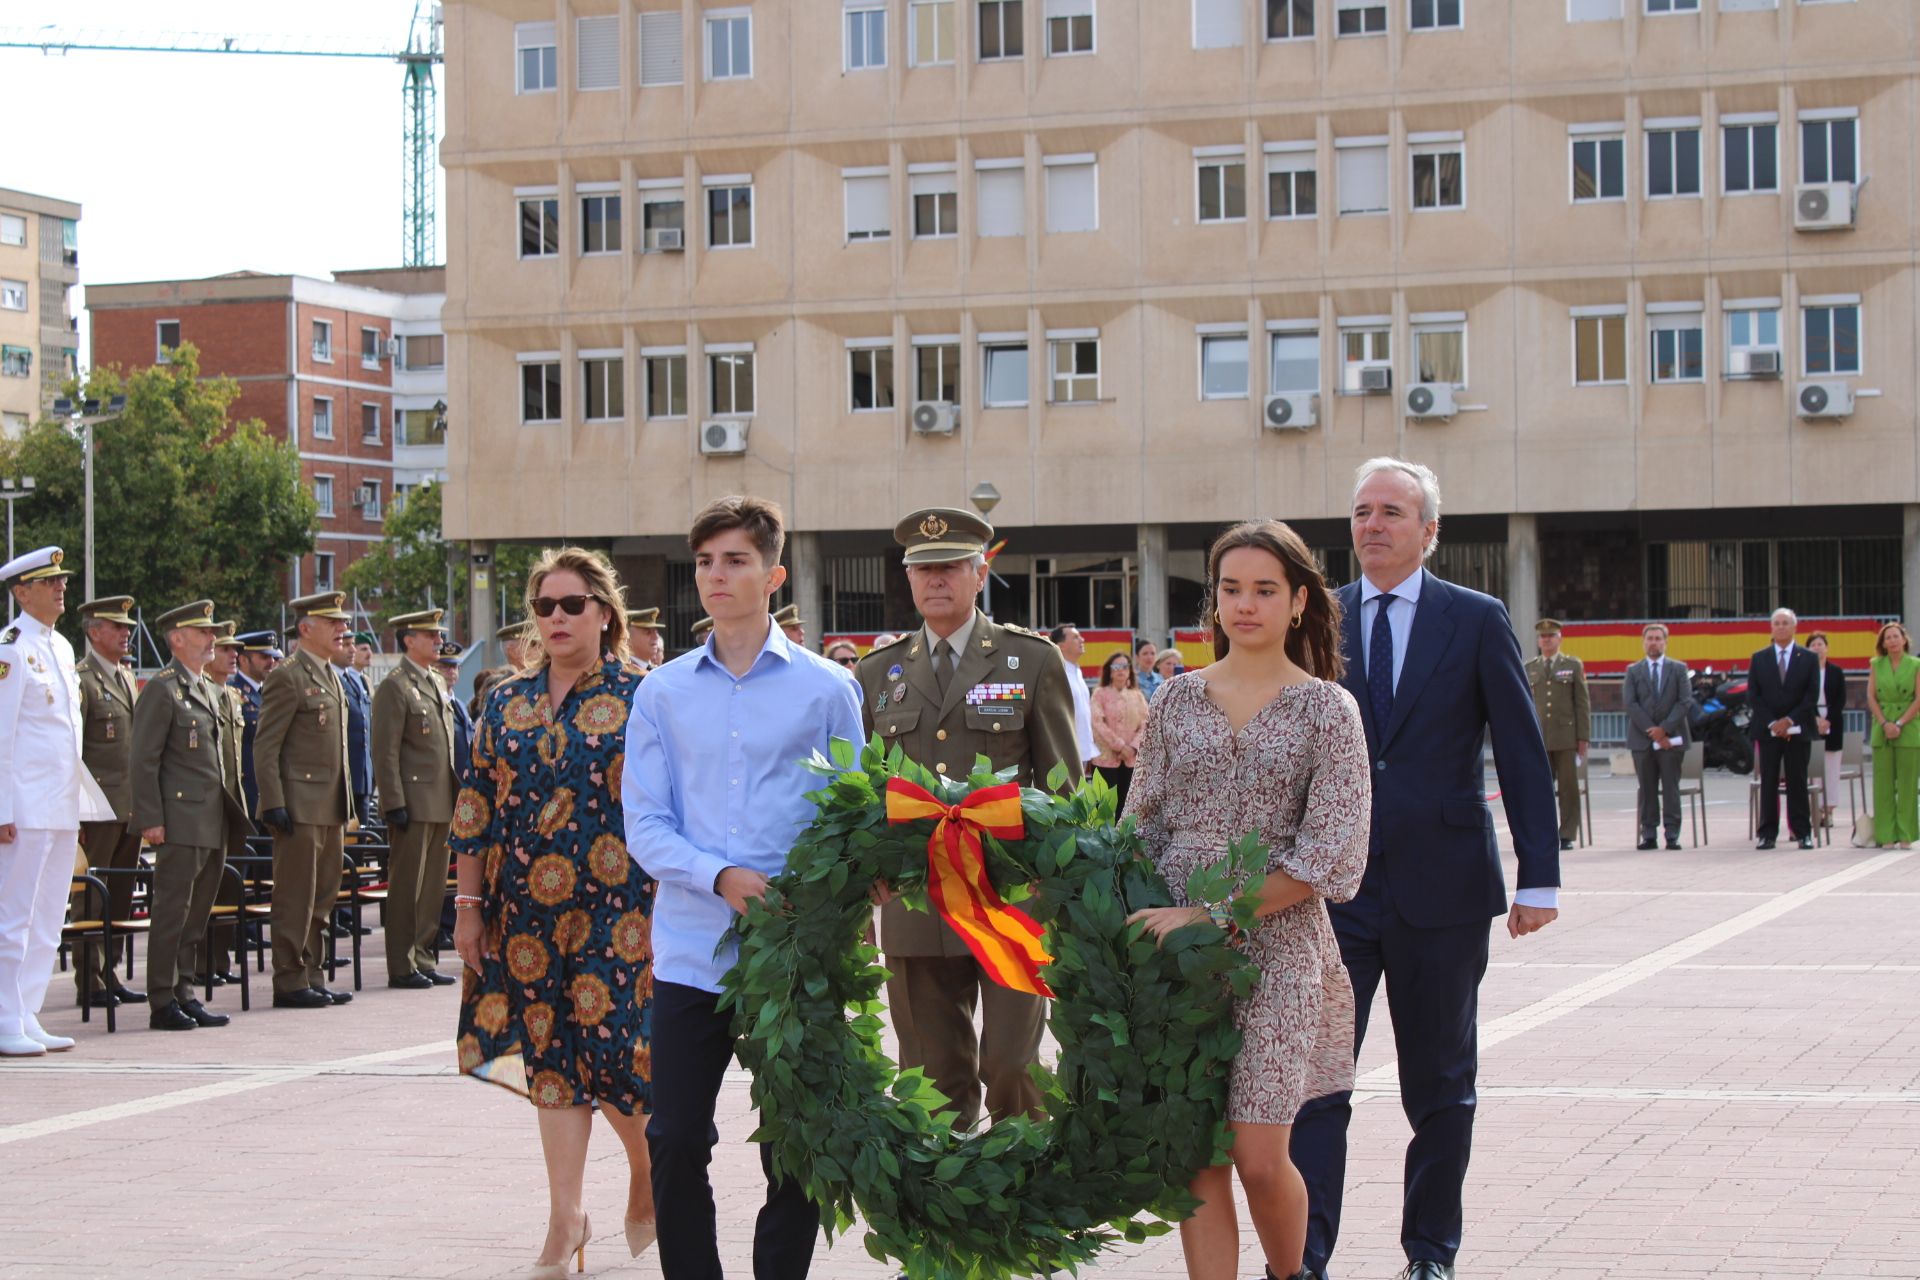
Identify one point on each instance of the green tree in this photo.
(408, 566)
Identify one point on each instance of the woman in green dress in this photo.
(1896, 743)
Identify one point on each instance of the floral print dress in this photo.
(561, 1009)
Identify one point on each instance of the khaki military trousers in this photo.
(227, 894)
(107, 844)
(185, 879)
(932, 1001)
(416, 885)
(1566, 781)
(306, 882)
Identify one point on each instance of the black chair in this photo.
(93, 922)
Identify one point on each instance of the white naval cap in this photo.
(34, 565)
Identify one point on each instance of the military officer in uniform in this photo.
(222, 669)
(646, 637)
(306, 797)
(106, 717)
(701, 629)
(1559, 684)
(413, 765)
(186, 801)
(259, 654)
(957, 687)
(787, 618)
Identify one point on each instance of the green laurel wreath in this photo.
(1146, 1035)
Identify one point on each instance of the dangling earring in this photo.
(1297, 618)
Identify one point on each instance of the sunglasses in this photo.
(572, 606)
(848, 662)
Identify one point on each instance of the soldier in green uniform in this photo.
(414, 772)
(186, 799)
(787, 618)
(1559, 684)
(958, 687)
(300, 764)
(227, 648)
(106, 719)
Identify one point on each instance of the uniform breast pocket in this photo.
(993, 719)
(891, 724)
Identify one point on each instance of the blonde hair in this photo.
(602, 584)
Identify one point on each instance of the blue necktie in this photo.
(1380, 663)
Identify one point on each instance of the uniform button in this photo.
(941, 767)
(996, 726)
(941, 736)
(893, 728)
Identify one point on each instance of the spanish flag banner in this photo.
(1004, 939)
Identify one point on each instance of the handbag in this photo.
(1863, 832)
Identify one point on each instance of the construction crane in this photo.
(421, 54)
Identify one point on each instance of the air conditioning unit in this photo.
(363, 496)
(1823, 206)
(935, 417)
(723, 437)
(1759, 362)
(390, 348)
(665, 240)
(1430, 400)
(1294, 412)
(1376, 380)
(1825, 399)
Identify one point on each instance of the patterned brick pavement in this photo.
(1710, 1067)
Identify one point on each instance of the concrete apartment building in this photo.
(39, 329)
(352, 370)
(1636, 277)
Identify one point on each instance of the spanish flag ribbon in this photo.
(1004, 939)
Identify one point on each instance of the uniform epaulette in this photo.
(13, 634)
(895, 643)
(1019, 630)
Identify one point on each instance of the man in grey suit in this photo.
(1659, 699)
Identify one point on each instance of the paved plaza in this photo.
(1709, 1067)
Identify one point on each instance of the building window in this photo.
(1433, 15)
(370, 423)
(730, 217)
(536, 57)
(870, 379)
(1217, 24)
(1751, 329)
(666, 385)
(420, 429)
(730, 382)
(12, 424)
(13, 229)
(1363, 347)
(323, 494)
(1289, 19)
(1076, 369)
(540, 227)
(13, 295)
(1006, 381)
(1677, 346)
(937, 372)
(936, 204)
(1440, 352)
(323, 341)
(424, 350)
(1069, 27)
(1599, 168)
(322, 418)
(1600, 349)
(1223, 366)
(599, 224)
(1292, 183)
(1360, 168)
(1673, 6)
(1294, 362)
(1673, 162)
(932, 22)
(596, 52)
(323, 570)
(1750, 155)
(730, 44)
(401, 492)
(1002, 35)
(1073, 194)
(16, 362)
(866, 39)
(166, 340)
(1829, 150)
(661, 56)
(1439, 175)
(1222, 182)
(1832, 338)
(540, 390)
(1360, 17)
(1594, 11)
(663, 218)
(605, 389)
(868, 201)
(1000, 187)
(370, 508)
(370, 347)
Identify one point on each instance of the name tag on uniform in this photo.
(995, 711)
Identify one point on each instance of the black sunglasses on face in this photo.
(572, 606)
(848, 662)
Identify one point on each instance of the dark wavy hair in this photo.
(1314, 645)
(1106, 670)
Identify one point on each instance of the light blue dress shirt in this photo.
(713, 779)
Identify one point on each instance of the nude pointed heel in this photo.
(640, 1236)
(558, 1270)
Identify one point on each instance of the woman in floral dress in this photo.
(1265, 741)
(553, 915)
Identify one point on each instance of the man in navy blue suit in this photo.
(1435, 667)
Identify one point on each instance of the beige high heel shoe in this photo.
(640, 1236)
(558, 1270)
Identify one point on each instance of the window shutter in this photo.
(867, 201)
(533, 35)
(1003, 201)
(1069, 8)
(1072, 197)
(1593, 10)
(660, 48)
(944, 183)
(1362, 177)
(1217, 24)
(597, 52)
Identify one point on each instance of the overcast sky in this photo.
(193, 165)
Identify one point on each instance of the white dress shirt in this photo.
(1082, 709)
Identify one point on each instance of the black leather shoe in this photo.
(127, 995)
(1805, 842)
(1566, 844)
(436, 977)
(1765, 844)
(98, 1000)
(306, 998)
(1673, 844)
(171, 1017)
(1644, 845)
(198, 1012)
(1304, 1273)
(411, 982)
(334, 996)
(1427, 1270)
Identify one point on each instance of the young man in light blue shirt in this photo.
(715, 797)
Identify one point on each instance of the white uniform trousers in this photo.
(36, 874)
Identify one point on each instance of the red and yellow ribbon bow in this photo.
(1004, 939)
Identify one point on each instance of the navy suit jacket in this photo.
(359, 749)
(1796, 698)
(250, 722)
(462, 742)
(1433, 852)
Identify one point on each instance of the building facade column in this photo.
(1150, 548)
(1523, 577)
(480, 589)
(803, 559)
(1910, 564)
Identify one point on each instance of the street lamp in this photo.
(984, 499)
(82, 415)
(11, 491)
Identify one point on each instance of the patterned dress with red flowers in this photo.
(561, 1010)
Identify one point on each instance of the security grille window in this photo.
(16, 362)
(1824, 577)
(856, 593)
(730, 382)
(937, 372)
(1000, 187)
(535, 57)
(425, 351)
(1363, 347)
(1222, 182)
(1750, 329)
(870, 379)
(1217, 24)
(323, 341)
(1360, 17)
(866, 39)
(540, 391)
(1677, 347)
(1673, 162)
(370, 423)
(1001, 33)
(1832, 338)
(370, 508)
(1006, 370)
(730, 44)
(1295, 362)
(1673, 6)
(1433, 15)
(1069, 27)
(604, 386)
(370, 348)
(662, 56)
(936, 203)
(933, 32)
(729, 217)
(597, 52)
(1292, 183)
(599, 224)
(1361, 171)
(666, 385)
(1600, 349)
(1594, 11)
(323, 494)
(1750, 157)
(1223, 366)
(1599, 167)
(322, 418)
(166, 339)
(867, 197)
(1073, 186)
(1829, 150)
(1289, 19)
(1440, 352)
(540, 227)
(1076, 369)
(1439, 175)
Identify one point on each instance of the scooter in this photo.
(1720, 719)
